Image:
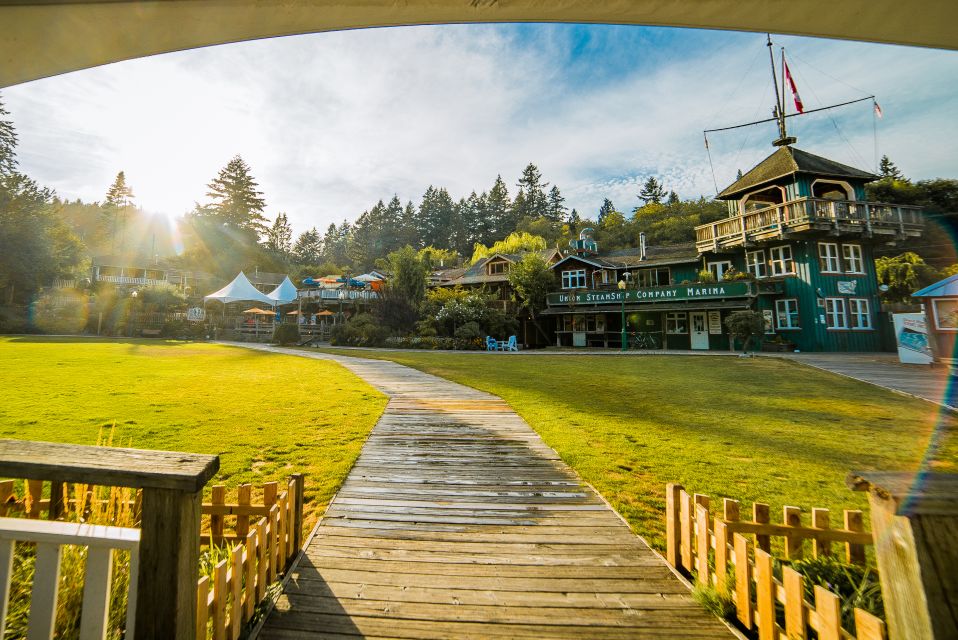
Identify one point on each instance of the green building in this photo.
(797, 246)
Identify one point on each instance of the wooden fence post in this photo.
(764, 595)
(820, 520)
(794, 584)
(761, 515)
(854, 553)
(702, 543)
(829, 610)
(792, 517)
(217, 498)
(673, 539)
(743, 580)
(243, 494)
(685, 529)
(915, 525)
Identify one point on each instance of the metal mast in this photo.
(779, 111)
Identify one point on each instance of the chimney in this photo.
(642, 246)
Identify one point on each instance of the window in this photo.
(755, 263)
(653, 277)
(498, 268)
(718, 269)
(780, 261)
(828, 258)
(675, 323)
(835, 313)
(786, 313)
(853, 258)
(946, 314)
(859, 313)
(573, 279)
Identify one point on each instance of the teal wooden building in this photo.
(797, 246)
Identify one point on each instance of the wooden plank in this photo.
(6, 575)
(721, 555)
(820, 520)
(235, 580)
(794, 584)
(249, 569)
(854, 521)
(743, 580)
(868, 627)
(685, 529)
(202, 607)
(219, 600)
(764, 596)
(792, 518)
(828, 610)
(218, 497)
(106, 466)
(702, 544)
(761, 515)
(34, 497)
(244, 493)
(43, 596)
(262, 560)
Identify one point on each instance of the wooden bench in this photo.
(151, 333)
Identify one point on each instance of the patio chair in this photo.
(491, 344)
(511, 345)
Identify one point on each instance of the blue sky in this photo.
(330, 123)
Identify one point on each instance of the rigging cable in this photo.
(711, 166)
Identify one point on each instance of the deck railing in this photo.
(714, 548)
(50, 537)
(869, 216)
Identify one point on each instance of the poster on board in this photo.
(911, 334)
(715, 323)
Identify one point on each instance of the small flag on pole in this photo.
(791, 83)
(877, 109)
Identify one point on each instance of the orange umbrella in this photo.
(261, 312)
(325, 313)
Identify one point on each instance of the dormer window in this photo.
(574, 279)
(498, 268)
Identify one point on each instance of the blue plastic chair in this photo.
(511, 345)
(491, 344)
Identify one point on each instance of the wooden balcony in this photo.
(839, 217)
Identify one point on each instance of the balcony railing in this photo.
(819, 213)
(131, 280)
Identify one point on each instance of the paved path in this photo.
(457, 521)
(884, 370)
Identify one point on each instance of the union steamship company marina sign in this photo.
(696, 291)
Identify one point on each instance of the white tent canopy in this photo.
(239, 290)
(284, 293)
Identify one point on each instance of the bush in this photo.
(856, 586)
(468, 331)
(286, 334)
(706, 276)
(360, 331)
(745, 325)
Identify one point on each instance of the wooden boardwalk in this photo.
(459, 522)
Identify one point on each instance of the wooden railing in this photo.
(780, 218)
(171, 484)
(49, 538)
(713, 549)
(262, 537)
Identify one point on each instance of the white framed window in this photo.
(755, 263)
(828, 258)
(676, 323)
(718, 269)
(852, 253)
(786, 313)
(946, 314)
(780, 260)
(835, 313)
(859, 313)
(574, 279)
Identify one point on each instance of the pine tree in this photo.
(308, 248)
(235, 199)
(738, 175)
(116, 208)
(535, 202)
(652, 191)
(499, 209)
(606, 208)
(574, 219)
(673, 198)
(119, 194)
(8, 144)
(555, 209)
(887, 169)
(279, 238)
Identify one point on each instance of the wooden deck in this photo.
(459, 522)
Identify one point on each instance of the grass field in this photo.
(757, 429)
(265, 415)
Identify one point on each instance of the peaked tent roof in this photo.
(943, 288)
(239, 290)
(786, 161)
(284, 293)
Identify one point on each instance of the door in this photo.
(700, 330)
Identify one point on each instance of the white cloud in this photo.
(330, 123)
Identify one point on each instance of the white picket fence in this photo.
(49, 538)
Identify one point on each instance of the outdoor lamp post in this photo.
(133, 296)
(622, 293)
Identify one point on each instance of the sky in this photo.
(331, 123)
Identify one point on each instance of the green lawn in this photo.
(265, 415)
(759, 429)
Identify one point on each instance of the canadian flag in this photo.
(791, 83)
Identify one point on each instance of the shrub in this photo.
(706, 276)
(360, 331)
(735, 274)
(745, 325)
(856, 586)
(286, 334)
(468, 331)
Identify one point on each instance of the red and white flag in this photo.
(791, 83)
(877, 109)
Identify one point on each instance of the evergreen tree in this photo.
(279, 238)
(738, 175)
(8, 143)
(116, 209)
(673, 198)
(887, 169)
(407, 227)
(392, 226)
(534, 202)
(309, 247)
(652, 191)
(606, 208)
(555, 210)
(574, 219)
(119, 195)
(235, 199)
(333, 249)
(439, 224)
(499, 210)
